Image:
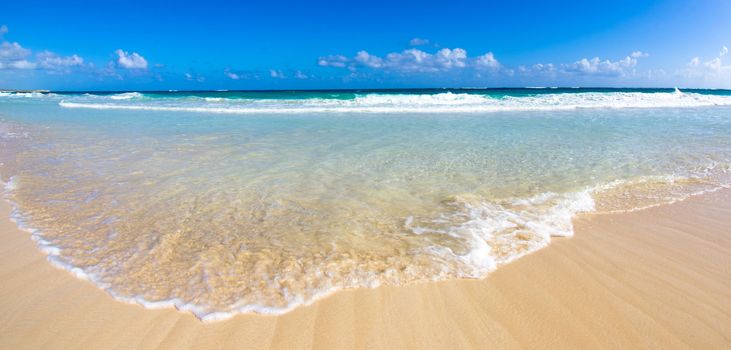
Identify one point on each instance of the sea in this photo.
(227, 202)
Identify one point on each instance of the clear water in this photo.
(226, 202)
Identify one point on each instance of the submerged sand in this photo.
(657, 278)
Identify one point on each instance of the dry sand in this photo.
(658, 278)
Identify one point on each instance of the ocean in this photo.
(225, 202)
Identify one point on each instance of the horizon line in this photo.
(45, 91)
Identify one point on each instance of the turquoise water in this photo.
(226, 202)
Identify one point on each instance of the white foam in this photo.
(10, 185)
(126, 96)
(545, 216)
(485, 219)
(409, 103)
(25, 94)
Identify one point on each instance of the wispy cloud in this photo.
(232, 75)
(15, 56)
(277, 74)
(132, 60)
(194, 77)
(710, 69)
(338, 61)
(244, 75)
(271, 73)
(418, 42)
(596, 66)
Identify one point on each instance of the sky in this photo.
(184, 45)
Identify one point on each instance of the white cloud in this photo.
(596, 66)
(715, 64)
(20, 64)
(418, 42)
(14, 56)
(51, 61)
(338, 61)
(420, 61)
(130, 61)
(272, 73)
(708, 69)
(12, 52)
(487, 60)
(546, 70)
(548, 67)
(368, 60)
(195, 77)
(245, 75)
(589, 67)
(410, 60)
(447, 58)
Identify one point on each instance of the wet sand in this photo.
(657, 278)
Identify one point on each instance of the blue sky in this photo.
(145, 45)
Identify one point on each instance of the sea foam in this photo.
(495, 233)
(408, 103)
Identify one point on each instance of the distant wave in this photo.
(404, 103)
(25, 94)
(126, 96)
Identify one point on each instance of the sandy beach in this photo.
(657, 278)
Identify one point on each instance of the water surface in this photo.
(226, 202)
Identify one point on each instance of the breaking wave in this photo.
(404, 103)
(479, 235)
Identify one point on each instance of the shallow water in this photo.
(195, 201)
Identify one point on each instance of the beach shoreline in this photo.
(655, 278)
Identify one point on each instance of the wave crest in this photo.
(406, 103)
(126, 96)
